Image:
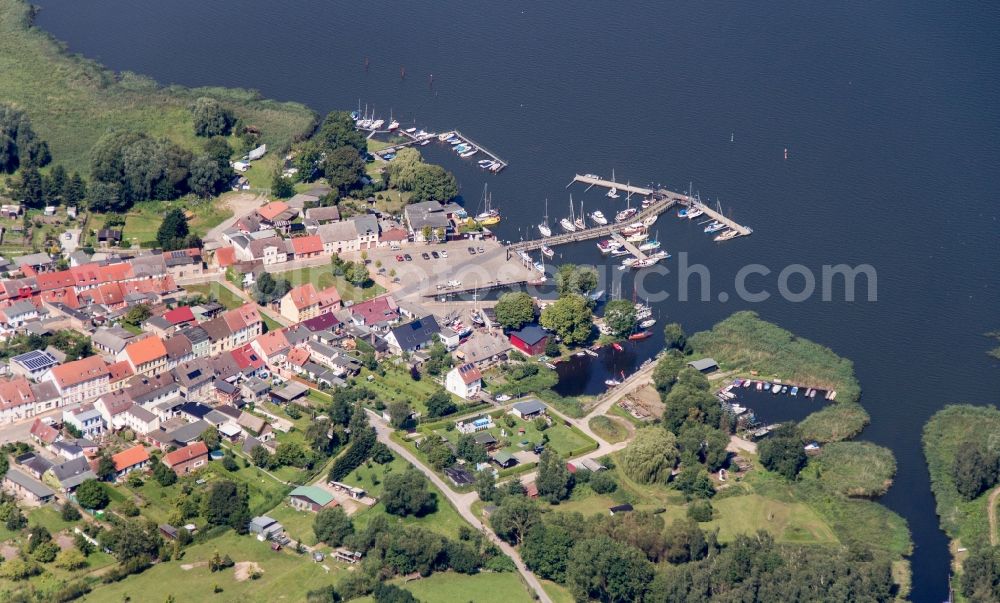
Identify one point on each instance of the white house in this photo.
(464, 381)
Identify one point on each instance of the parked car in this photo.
(472, 251)
(480, 250)
(407, 257)
(435, 255)
(399, 258)
(425, 256)
(444, 253)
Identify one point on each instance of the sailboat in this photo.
(489, 216)
(567, 223)
(580, 220)
(544, 226)
(393, 124)
(547, 251)
(613, 193)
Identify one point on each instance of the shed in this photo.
(22, 485)
(624, 508)
(265, 526)
(310, 498)
(705, 365)
(530, 340)
(504, 459)
(528, 409)
(460, 476)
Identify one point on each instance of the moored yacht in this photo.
(598, 218)
(694, 212)
(714, 227)
(567, 225)
(625, 214)
(649, 221)
(613, 193)
(547, 251)
(649, 245)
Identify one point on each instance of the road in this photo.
(241, 204)
(462, 502)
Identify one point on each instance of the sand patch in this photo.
(243, 570)
(191, 566)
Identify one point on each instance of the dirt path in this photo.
(991, 510)
(241, 204)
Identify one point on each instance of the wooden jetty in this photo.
(678, 197)
(628, 246)
(500, 163)
(594, 232)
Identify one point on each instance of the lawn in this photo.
(220, 293)
(286, 576)
(298, 524)
(449, 587)
(853, 468)
(143, 220)
(609, 429)
(322, 277)
(73, 101)
(49, 517)
(787, 522)
(396, 384)
(566, 440)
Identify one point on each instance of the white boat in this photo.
(714, 227)
(613, 193)
(544, 226)
(598, 217)
(619, 252)
(580, 220)
(649, 221)
(393, 125)
(775, 388)
(594, 176)
(567, 225)
(659, 255)
(625, 215)
(470, 152)
(455, 140)
(646, 263)
(547, 251)
(485, 163)
(445, 136)
(608, 245)
(629, 262)
(729, 234)
(425, 143)
(649, 245)
(612, 382)
(637, 237)
(378, 123)
(410, 130)
(694, 212)
(647, 323)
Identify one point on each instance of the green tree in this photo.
(685, 542)
(75, 190)
(68, 512)
(651, 456)
(546, 550)
(407, 494)
(343, 168)
(208, 177)
(783, 453)
(211, 118)
(554, 480)
(974, 470)
(106, 197)
(619, 316)
(163, 475)
(92, 494)
(666, 370)
(467, 448)
(486, 485)
(688, 403)
(338, 130)
(433, 183)
(675, 339)
(981, 575)
(571, 278)
(281, 187)
(603, 569)
(514, 518)
(514, 310)
(356, 273)
(28, 189)
(703, 444)
(105, 466)
(226, 503)
(173, 230)
(440, 404)
(570, 318)
(694, 482)
(137, 314)
(332, 525)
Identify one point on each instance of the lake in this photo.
(886, 109)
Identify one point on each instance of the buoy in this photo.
(786, 153)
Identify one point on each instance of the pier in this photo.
(591, 181)
(498, 163)
(628, 246)
(594, 232)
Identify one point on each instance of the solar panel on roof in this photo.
(36, 360)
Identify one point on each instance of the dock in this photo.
(628, 246)
(594, 232)
(498, 163)
(687, 200)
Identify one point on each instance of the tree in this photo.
(75, 190)
(694, 483)
(440, 404)
(71, 560)
(105, 466)
(783, 453)
(981, 575)
(666, 370)
(433, 183)
(390, 593)
(173, 230)
(602, 482)
(163, 475)
(570, 318)
(226, 503)
(685, 542)
(514, 517)
(467, 448)
(406, 494)
(362, 442)
(486, 485)
(92, 494)
(974, 470)
(651, 456)
(105, 197)
(603, 569)
(208, 177)
(19, 145)
(703, 444)
(281, 187)
(133, 539)
(514, 310)
(619, 316)
(343, 168)
(356, 273)
(218, 148)
(554, 480)
(260, 457)
(211, 118)
(137, 314)
(675, 339)
(546, 550)
(143, 167)
(338, 130)
(688, 403)
(28, 189)
(571, 278)
(68, 512)
(211, 438)
(332, 525)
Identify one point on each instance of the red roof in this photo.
(179, 314)
(120, 370)
(298, 356)
(78, 371)
(271, 210)
(469, 373)
(242, 317)
(246, 356)
(45, 433)
(131, 457)
(55, 280)
(303, 296)
(225, 256)
(376, 309)
(307, 245)
(328, 297)
(272, 342)
(188, 453)
(109, 294)
(146, 350)
(15, 392)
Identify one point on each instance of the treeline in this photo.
(19, 145)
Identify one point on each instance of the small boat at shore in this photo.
(682, 212)
(619, 252)
(760, 385)
(393, 125)
(547, 251)
(647, 323)
(714, 227)
(649, 245)
(694, 212)
(410, 130)
(784, 389)
(795, 391)
(637, 237)
(617, 346)
(729, 234)
(445, 136)
(613, 193)
(640, 335)
(612, 382)
(649, 221)
(469, 153)
(598, 218)
(775, 388)
(608, 245)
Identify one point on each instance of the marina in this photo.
(464, 146)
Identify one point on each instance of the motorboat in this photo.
(646, 263)
(626, 214)
(547, 251)
(640, 335)
(598, 218)
(410, 130)
(445, 136)
(649, 245)
(594, 176)
(682, 212)
(470, 152)
(795, 391)
(714, 227)
(461, 148)
(613, 193)
(617, 346)
(694, 212)
(393, 125)
(378, 123)
(760, 385)
(647, 323)
(649, 221)
(775, 388)
(629, 262)
(637, 237)
(608, 245)
(612, 382)
(659, 255)
(567, 225)
(784, 389)
(485, 163)
(725, 236)
(619, 252)
(589, 351)
(596, 296)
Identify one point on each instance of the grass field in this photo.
(609, 429)
(944, 435)
(396, 384)
(298, 524)
(450, 587)
(853, 468)
(73, 101)
(834, 422)
(221, 294)
(564, 439)
(787, 522)
(144, 219)
(286, 576)
(322, 277)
